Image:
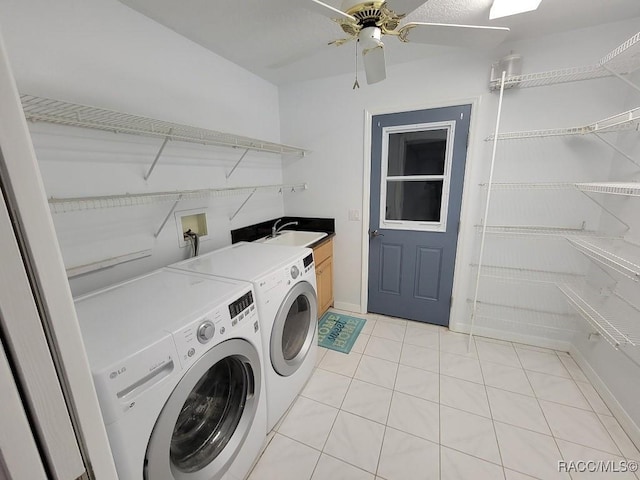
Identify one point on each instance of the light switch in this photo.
(354, 215)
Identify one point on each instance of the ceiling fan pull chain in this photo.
(356, 84)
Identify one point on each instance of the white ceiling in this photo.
(283, 41)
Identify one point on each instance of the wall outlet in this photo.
(354, 215)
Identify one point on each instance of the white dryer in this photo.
(177, 363)
(284, 279)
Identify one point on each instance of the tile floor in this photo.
(409, 402)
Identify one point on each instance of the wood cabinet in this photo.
(323, 257)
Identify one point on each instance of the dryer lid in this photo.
(118, 321)
(244, 261)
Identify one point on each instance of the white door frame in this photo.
(37, 255)
(366, 190)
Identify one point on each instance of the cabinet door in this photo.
(324, 278)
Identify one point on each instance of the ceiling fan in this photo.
(368, 21)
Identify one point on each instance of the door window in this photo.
(210, 415)
(416, 166)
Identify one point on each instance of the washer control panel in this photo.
(300, 268)
(216, 326)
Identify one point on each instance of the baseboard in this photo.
(560, 345)
(348, 307)
(626, 422)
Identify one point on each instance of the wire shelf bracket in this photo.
(237, 163)
(606, 209)
(605, 256)
(243, 204)
(617, 149)
(625, 80)
(155, 160)
(166, 219)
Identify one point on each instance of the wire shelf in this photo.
(74, 204)
(625, 58)
(630, 189)
(529, 186)
(622, 257)
(537, 230)
(538, 319)
(622, 60)
(551, 77)
(613, 323)
(516, 274)
(39, 109)
(629, 120)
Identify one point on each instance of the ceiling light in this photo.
(504, 8)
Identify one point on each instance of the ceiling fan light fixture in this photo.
(370, 37)
(374, 64)
(505, 8)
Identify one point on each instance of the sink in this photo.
(294, 238)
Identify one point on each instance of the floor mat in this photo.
(339, 332)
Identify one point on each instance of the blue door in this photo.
(417, 174)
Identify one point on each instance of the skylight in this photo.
(505, 8)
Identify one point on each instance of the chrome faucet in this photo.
(275, 229)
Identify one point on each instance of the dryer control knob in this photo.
(206, 331)
(295, 272)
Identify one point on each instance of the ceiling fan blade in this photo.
(329, 11)
(404, 7)
(470, 36)
(374, 64)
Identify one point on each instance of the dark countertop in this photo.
(322, 240)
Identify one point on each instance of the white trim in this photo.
(626, 422)
(422, 226)
(348, 307)
(475, 103)
(492, 333)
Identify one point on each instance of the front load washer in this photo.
(284, 279)
(177, 363)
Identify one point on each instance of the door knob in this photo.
(375, 233)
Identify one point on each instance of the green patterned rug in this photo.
(339, 332)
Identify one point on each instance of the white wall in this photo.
(327, 116)
(102, 53)
(620, 370)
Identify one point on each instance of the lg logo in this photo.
(115, 373)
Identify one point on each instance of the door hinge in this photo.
(450, 303)
(458, 226)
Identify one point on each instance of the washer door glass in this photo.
(210, 415)
(294, 329)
